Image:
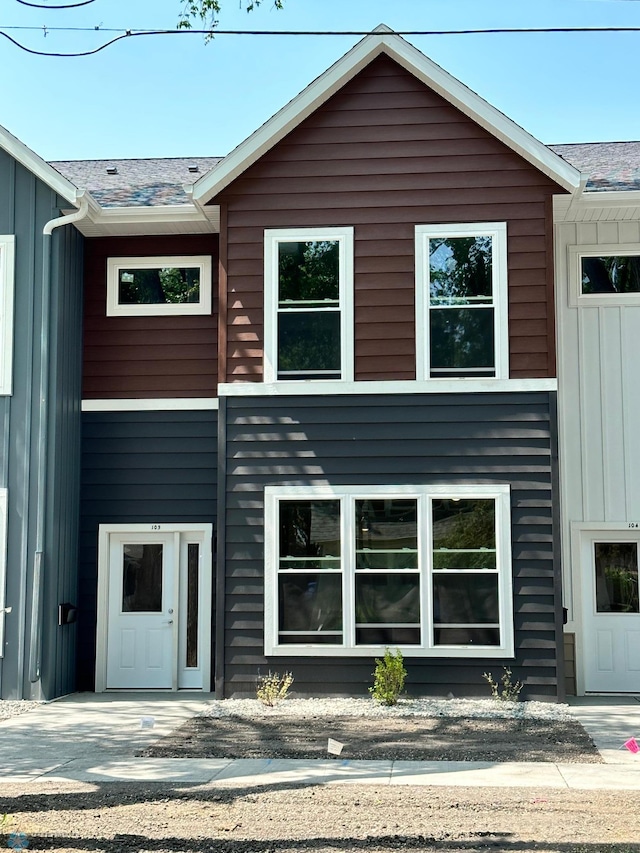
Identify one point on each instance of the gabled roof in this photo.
(37, 166)
(383, 40)
(611, 166)
(137, 183)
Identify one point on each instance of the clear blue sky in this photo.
(163, 96)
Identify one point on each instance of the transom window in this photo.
(7, 264)
(308, 304)
(461, 301)
(158, 286)
(427, 570)
(609, 274)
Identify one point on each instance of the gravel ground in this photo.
(14, 709)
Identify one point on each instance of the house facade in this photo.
(319, 399)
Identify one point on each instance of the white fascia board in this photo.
(37, 166)
(164, 404)
(319, 388)
(383, 40)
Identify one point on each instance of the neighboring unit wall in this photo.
(599, 409)
(139, 467)
(390, 441)
(40, 663)
(152, 357)
(383, 155)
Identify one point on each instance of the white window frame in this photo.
(498, 233)
(583, 300)
(4, 509)
(344, 235)
(424, 496)
(7, 288)
(117, 309)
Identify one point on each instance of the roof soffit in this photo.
(384, 40)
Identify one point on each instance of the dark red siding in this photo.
(385, 154)
(138, 357)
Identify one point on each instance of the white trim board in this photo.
(383, 40)
(428, 386)
(7, 289)
(170, 404)
(4, 507)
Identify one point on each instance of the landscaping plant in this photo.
(273, 687)
(507, 690)
(388, 678)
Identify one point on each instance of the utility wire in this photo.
(215, 32)
(66, 6)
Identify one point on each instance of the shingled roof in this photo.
(159, 181)
(136, 183)
(611, 166)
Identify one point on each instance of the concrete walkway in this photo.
(93, 738)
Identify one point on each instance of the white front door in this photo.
(154, 606)
(611, 637)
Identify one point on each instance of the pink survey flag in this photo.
(632, 745)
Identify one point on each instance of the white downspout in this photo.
(43, 432)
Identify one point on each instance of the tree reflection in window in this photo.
(461, 323)
(309, 345)
(158, 286)
(611, 274)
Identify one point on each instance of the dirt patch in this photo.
(145, 818)
(393, 738)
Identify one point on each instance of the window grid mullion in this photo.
(347, 513)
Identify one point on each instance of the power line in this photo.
(66, 6)
(215, 32)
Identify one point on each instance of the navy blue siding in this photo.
(139, 467)
(393, 440)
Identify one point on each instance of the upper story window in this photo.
(308, 312)
(355, 569)
(461, 301)
(148, 287)
(604, 275)
(610, 274)
(7, 285)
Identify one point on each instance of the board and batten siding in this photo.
(599, 399)
(152, 357)
(394, 440)
(384, 154)
(26, 204)
(139, 467)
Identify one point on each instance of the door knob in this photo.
(170, 610)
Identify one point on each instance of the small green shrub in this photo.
(273, 687)
(507, 690)
(388, 678)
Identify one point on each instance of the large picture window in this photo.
(424, 569)
(308, 304)
(7, 285)
(461, 301)
(147, 287)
